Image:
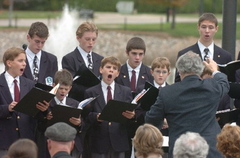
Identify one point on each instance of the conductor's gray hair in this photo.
(190, 63)
(190, 145)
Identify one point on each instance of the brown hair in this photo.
(208, 16)
(22, 148)
(111, 60)
(39, 29)
(63, 77)
(228, 141)
(206, 71)
(161, 62)
(148, 139)
(86, 27)
(136, 43)
(11, 54)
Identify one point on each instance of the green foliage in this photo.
(141, 6)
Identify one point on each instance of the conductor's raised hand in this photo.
(211, 65)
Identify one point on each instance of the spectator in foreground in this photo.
(228, 141)
(148, 142)
(22, 148)
(60, 139)
(190, 145)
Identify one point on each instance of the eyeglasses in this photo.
(161, 72)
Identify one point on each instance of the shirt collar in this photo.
(31, 55)
(10, 79)
(63, 102)
(210, 47)
(104, 85)
(137, 69)
(157, 85)
(83, 52)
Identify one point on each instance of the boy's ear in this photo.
(127, 52)
(151, 71)
(100, 70)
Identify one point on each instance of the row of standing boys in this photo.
(95, 138)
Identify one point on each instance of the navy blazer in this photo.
(14, 125)
(220, 56)
(48, 67)
(42, 140)
(73, 103)
(144, 75)
(104, 135)
(72, 62)
(187, 107)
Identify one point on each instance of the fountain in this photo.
(62, 39)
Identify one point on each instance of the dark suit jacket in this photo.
(103, 136)
(10, 121)
(73, 103)
(48, 67)
(190, 105)
(72, 62)
(42, 140)
(221, 56)
(144, 75)
(62, 154)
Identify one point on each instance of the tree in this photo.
(171, 6)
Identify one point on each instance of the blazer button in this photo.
(109, 123)
(16, 129)
(18, 117)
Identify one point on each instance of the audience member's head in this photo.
(190, 145)
(148, 141)
(189, 64)
(22, 148)
(228, 141)
(60, 138)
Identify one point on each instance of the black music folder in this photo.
(234, 91)
(86, 77)
(113, 111)
(149, 98)
(230, 69)
(63, 113)
(44, 87)
(27, 104)
(227, 116)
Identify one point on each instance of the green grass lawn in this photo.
(181, 29)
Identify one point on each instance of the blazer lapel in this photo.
(4, 90)
(43, 66)
(95, 62)
(79, 56)
(117, 92)
(125, 77)
(27, 71)
(100, 101)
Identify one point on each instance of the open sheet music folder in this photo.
(230, 69)
(227, 116)
(113, 111)
(63, 113)
(27, 104)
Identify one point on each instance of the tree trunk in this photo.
(173, 17)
